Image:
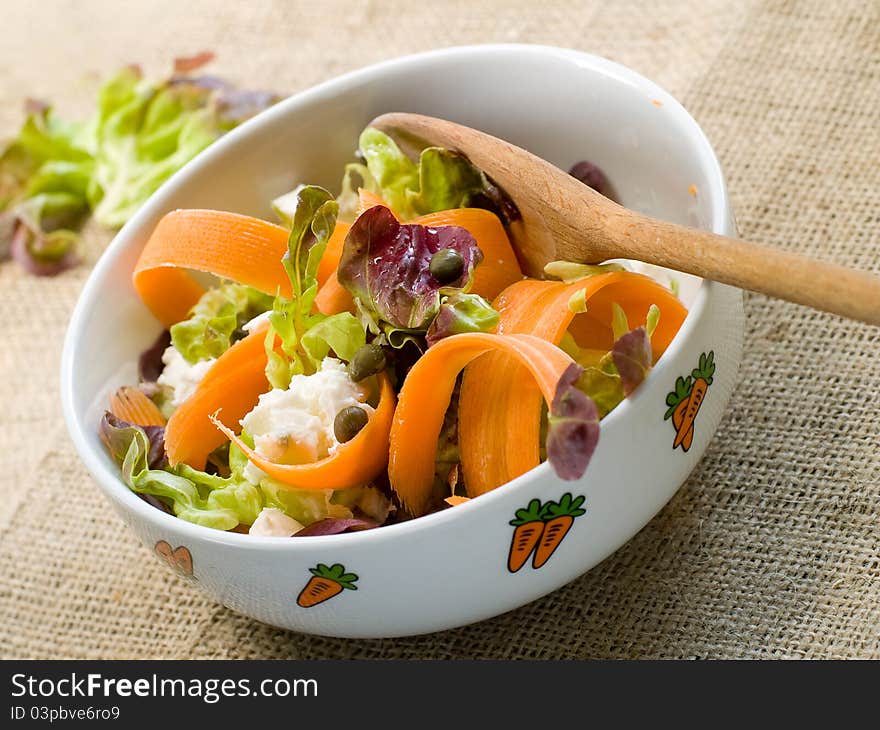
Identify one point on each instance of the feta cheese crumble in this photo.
(256, 322)
(272, 522)
(295, 425)
(182, 376)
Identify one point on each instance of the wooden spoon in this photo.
(563, 219)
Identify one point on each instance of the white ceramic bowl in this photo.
(448, 568)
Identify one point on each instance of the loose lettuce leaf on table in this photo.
(55, 173)
(44, 177)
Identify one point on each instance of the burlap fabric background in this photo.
(770, 550)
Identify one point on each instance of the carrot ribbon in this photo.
(353, 463)
(232, 246)
(425, 396)
(232, 387)
(500, 406)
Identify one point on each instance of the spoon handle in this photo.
(564, 219)
(795, 278)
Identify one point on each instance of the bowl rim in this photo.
(123, 496)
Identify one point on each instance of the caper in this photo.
(446, 265)
(367, 361)
(348, 423)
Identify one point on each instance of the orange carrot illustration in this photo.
(677, 417)
(558, 519)
(529, 526)
(687, 398)
(325, 583)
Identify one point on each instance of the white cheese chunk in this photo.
(272, 522)
(295, 425)
(182, 376)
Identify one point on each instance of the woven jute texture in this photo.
(771, 549)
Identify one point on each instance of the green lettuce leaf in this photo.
(55, 173)
(306, 506)
(142, 135)
(570, 272)
(311, 212)
(442, 179)
(216, 320)
(342, 333)
(44, 179)
(394, 173)
(198, 497)
(462, 313)
(356, 176)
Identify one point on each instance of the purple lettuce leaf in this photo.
(155, 502)
(590, 174)
(336, 526)
(385, 264)
(150, 365)
(632, 358)
(462, 313)
(116, 435)
(574, 427)
(43, 254)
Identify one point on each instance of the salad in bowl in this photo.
(378, 355)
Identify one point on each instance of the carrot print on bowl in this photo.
(539, 530)
(684, 402)
(325, 583)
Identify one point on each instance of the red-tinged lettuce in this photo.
(117, 435)
(632, 358)
(150, 365)
(573, 431)
(385, 265)
(194, 496)
(590, 174)
(43, 254)
(336, 526)
(55, 173)
(461, 313)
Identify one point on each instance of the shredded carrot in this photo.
(497, 397)
(236, 247)
(455, 500)
(354, 463)
(425, 395)
(132, 405)
(232, 386)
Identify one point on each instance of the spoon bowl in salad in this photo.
(442, 558)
